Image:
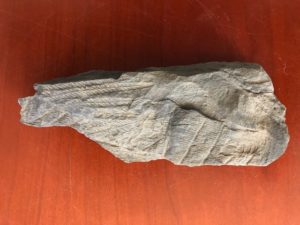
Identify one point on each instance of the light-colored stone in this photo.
(203, 114)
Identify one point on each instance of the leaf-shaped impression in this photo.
(203, 114)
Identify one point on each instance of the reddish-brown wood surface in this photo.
(55, 176)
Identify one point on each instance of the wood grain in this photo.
(57, 176)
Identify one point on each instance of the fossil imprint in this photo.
(203, 114)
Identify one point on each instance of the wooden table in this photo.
(55, 176)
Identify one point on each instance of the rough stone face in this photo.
(203, 114)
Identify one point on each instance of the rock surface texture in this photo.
(202, 114)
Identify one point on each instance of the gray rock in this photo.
(203, 114)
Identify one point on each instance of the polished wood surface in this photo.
(55, 176)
